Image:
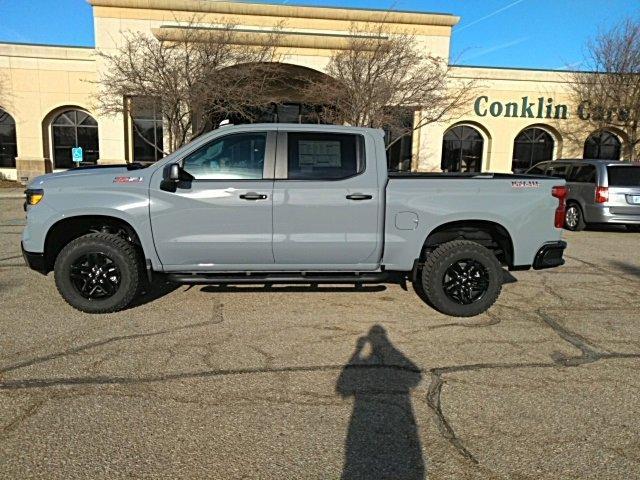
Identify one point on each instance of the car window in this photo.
(233, 157)
(624, 176)
(538, 169)
(324, 156)
(583, 174)
(559, 171)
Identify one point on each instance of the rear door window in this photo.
(538, 169)
(627, 176)
(583, 174)
(324, 156)
(559, 171)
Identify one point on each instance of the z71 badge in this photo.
(525, 184)
(128, 180)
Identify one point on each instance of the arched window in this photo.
(602, 145)
(462, 150)
(533, 145)
(8, 144)
(70, 129)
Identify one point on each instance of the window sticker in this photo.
(319, 154)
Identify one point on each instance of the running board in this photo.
(275, 278)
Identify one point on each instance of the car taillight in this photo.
(602, 195)
(560, 192)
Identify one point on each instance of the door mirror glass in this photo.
(175, 177)
(174, 172)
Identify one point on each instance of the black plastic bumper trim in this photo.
(35, 261)
(550, 256)
(520, 268)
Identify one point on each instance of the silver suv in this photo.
(600, 191)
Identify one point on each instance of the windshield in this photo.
(627, 176)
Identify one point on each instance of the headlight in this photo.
(34, 196)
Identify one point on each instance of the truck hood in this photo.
(124, 170)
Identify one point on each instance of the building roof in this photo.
(298, 11)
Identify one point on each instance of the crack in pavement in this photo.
(10, 258)
(603, 270)
(99, 343)
(106, 380)
(29, 412)
(589, 353)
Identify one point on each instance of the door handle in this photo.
(358, 197)
(253, 196)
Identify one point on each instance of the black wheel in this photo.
(633, 228)
(98, 273)
(573, 218)
(461, 279)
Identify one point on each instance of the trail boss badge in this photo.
(128, 180)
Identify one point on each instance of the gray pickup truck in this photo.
(289, 204)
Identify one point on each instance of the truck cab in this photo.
(256, 197)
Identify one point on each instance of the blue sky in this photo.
(499, 33)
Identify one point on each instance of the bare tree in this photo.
(379, 76)
(193, 77)
(608, 95)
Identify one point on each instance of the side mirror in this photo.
(174, 172)
(172, 177)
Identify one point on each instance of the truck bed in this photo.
(418, 204)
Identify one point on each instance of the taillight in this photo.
(602, 194)
(560, 192)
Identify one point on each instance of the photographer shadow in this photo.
(382, 440)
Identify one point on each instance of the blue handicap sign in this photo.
(76, 153)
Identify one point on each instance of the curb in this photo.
(11, 193)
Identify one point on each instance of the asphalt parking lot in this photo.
(295, 383)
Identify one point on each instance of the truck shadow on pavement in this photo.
(627, 268)
(153, 292)
(382, 438)
(292, 289)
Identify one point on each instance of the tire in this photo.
(574, 219)
(633, 228)
(93, 290)
(479, 289)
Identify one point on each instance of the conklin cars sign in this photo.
(542, 107)
(538, 108)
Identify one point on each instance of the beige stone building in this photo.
(47, 93)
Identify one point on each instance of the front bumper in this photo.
(550, 256)
(35, 261)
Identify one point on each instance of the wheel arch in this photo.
(69, 228)
(487, 233)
